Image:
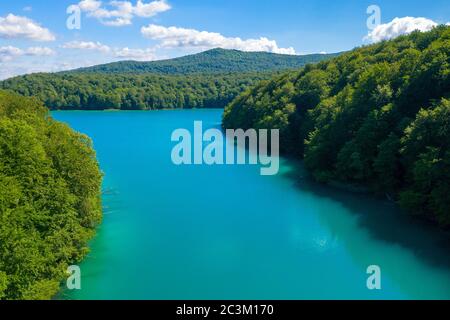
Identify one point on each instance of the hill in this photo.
(99, 91)
(378, 117)
(212, 61)
(211, 79)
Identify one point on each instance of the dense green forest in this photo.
(132, 92)
(211, 79)
(212, 62)
(376, 117)
(49, 198)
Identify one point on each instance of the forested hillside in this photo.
(212, 61)
(49, 198)
(378, 117)
(132, 92)
(211, 79)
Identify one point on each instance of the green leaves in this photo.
(92, 91)
(3, 284)
(426, 148)
(351, 114)
(208, 80)
(49, 199)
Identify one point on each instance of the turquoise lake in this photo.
(226, 232)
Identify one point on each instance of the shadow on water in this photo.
(383, 220)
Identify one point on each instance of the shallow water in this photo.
(226, 232)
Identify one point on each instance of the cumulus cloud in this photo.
(89, 5)
(86, 45)
(13, 68)
(9, 53)
(147, 10)
(121, 53)
(174, 37)
(136, 54)
(115, 54)
(13, 26)
(121, 13)
(399, 26)
(39, 51)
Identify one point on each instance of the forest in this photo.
(49, 198)
(376, 118)
(210, 79)
(215, 61)
(98, 91)
(50, 181)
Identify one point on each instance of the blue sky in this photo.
(34, 36)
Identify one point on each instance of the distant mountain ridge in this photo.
(211, 61)
(211, 79)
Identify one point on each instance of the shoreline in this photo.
(144, 110)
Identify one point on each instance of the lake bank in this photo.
(225, 232)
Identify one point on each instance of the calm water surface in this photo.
(225, 232)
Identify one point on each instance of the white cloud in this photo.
(120, 16)
(86, 45)
(9, 53)
(118, 22)
(39, 51)
(151, 9)
(89, 5)
(136, 54)
(121, 53)
(174, 37)
(399, 26)
(13, 26)
(13, 69)
(28, 8)
(121, 13)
